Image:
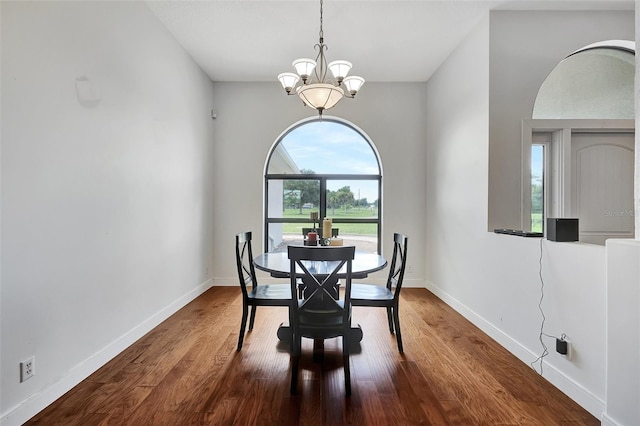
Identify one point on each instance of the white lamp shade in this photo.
(353, 84)
(304, 66)
(288, 80)
(320, 96)
(340, 69)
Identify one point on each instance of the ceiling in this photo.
(387, 41)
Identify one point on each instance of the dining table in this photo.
(278, 265)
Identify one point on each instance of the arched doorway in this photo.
(582, 143)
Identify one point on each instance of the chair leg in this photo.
(347, 367)
(243, 325)
(295, 362)
(254, 308)
(396, 320)
(294, 374)
(390, 319)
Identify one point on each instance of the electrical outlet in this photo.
(409, 269)
(27, 369)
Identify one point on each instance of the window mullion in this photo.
(323, 199)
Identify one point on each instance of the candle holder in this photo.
(314, 218)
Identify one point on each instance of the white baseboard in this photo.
(37, 402)
(573, 390)
(608, 421)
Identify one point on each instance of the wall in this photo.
(637, 105)
(391, 115)
(494, 280)
(525, 47)
(106, 193)
(623, 307)
(623, 333)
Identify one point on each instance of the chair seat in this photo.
(320, 326)
(268, 292)
(310, 318)
(361, 291)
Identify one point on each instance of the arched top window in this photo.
(323, 168)
(325, 147)
(595, 82)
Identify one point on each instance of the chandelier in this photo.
(317, 90)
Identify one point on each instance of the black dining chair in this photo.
(305, 231)
(364, 294)
(321, 313)
(253, 294)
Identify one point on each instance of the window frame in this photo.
(323, 179)
(542, 139)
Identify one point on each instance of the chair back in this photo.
(398, 264)
(244, 261)
(321, 313)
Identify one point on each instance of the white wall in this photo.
(106, 202)
(494, 279)
(623, 306)
(251, 116)
(623, 333)
(525, 48)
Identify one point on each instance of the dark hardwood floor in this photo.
(187, 371)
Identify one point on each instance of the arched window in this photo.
(324, 168)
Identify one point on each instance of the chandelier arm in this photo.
(321, 69)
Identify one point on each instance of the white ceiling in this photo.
(387, 41)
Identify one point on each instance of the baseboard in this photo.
(608, 421)
(37, 402)
(573, 390)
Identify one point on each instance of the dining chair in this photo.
(364, 294)
(321, 313)
(253, 294)
(305, 231)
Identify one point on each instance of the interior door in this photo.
(602, 167)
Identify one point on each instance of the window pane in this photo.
(356, 199)
(362, 235)
(537, 188)
(323, 147)
(293, 198)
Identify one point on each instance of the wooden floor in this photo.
(187, 371)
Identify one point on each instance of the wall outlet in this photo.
(27, 369)
(409, 269)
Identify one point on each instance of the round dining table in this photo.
(278, 265)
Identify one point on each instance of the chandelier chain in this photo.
(321, 32)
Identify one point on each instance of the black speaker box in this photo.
(562, 229)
